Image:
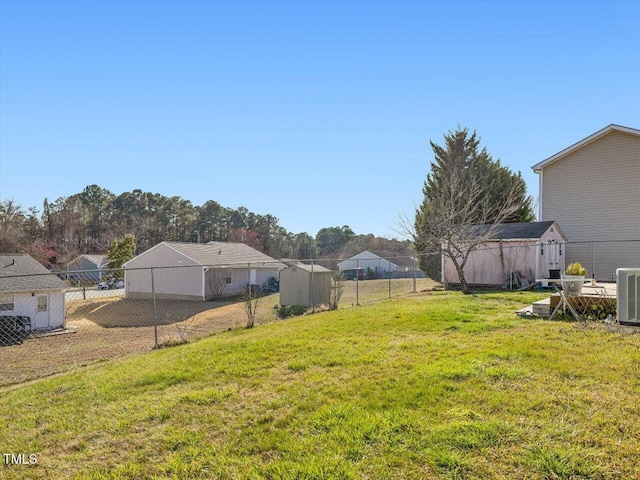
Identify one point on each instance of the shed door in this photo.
(553, 256)
(253, 276)
(42, 312)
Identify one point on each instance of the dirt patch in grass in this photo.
(99, 330)
(104, 328)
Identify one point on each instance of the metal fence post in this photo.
(414, 274)
(357, 282)
(155, 310)
(313, 299)
(389, 273)
(249, 280)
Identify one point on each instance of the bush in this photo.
(286, 311)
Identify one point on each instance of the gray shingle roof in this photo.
(97, 260)
(515, 231)
(224, 253)
(19, 272)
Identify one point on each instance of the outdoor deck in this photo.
(590, 294)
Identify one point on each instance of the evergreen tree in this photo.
(122, 250)
(465, 186)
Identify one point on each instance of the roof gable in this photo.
(20, 272)
(585, 141)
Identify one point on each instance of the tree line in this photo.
(90, 221)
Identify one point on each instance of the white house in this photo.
(28, 289)
(591, 189)
(383, 264)
(197, 271)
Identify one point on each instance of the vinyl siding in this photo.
(184, 281)
(594, 195)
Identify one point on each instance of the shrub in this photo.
(286, 311)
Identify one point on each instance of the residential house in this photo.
(591, 189)
(197, 271)
(87, 267)
(27, 289)
(383, 264)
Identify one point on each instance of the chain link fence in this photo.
(99, 315)
(96, 316)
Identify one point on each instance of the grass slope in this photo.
(435, 386)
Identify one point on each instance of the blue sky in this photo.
(319, 113)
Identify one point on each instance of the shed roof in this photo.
(576, 146)
(516, 231)
(224, 254)
(20, 272)
(308, 268)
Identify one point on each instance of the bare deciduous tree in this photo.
(337, 287)
(252, 300)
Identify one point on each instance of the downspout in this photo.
(204, 283)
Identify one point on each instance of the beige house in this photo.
(592, 189)
(305, 285)
(197, 271)
(518, 254)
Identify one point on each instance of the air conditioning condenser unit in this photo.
(628, 296)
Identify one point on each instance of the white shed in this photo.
(305, 285)
(524, 250)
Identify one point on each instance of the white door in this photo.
(553, 255)
(42, 312)
(253, 277)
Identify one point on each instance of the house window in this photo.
(42, 303)
(6, 303)
(542, 249)
(228, 277)
(560, 248)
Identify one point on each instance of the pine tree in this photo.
(466, 186)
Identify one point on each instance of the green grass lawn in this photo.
(436, 385)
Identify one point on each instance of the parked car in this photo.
(352, 274)
(111, 284)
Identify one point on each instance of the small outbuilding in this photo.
(31, 293)
(517, 254)
(305, 285)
